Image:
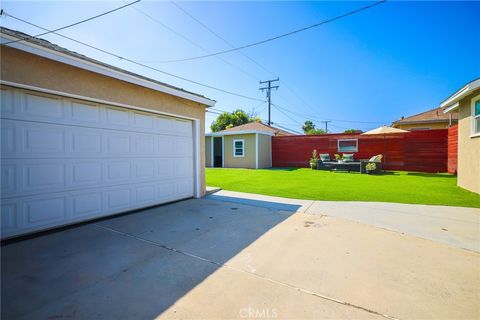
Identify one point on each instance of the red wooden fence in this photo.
(423, 151)
(452, 149)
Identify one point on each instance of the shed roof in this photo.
(259, 126)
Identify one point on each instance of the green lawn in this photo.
(399, 186)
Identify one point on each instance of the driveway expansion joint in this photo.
(318, 295)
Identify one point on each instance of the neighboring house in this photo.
(431, 119)
(82, 139)
(244, 146)
(466, 102)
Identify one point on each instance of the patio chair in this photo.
(324, 162)
(375, 159)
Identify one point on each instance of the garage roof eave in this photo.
(86, 63)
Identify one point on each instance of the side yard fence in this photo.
(452, 149)
(422, 151)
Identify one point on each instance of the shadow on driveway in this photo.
(131, 266)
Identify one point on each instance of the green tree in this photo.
(308, 126)
(353, 131)
(231, 119)
(316, 131)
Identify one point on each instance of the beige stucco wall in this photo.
(248, 161)
(432, 125)
(208, 152)
(25, 68)
(468, 148)
(264, 151)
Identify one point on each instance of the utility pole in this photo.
(326, 125)
(269, 96)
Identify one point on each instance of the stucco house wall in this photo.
(27, 69)
(264, 151)
(248, 160)
(468, 147)
(431, 125)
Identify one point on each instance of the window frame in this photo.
(234, 148)
(349, 151)
(475, 132)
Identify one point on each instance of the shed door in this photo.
(65, 160)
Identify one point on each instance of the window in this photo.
(348, 145)
(239, 148)
(476, 115)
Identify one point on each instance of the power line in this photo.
(73, 24)
(286, 115)
(189, 41)
(135, 62)
(244, 54)
(281, 35)
(220, 37)
(325, 118)
(285, 128)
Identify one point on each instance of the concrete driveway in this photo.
(243, 256)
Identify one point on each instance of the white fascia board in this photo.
(457, 96)
(103, 70)
(451, 108)
(229, 133)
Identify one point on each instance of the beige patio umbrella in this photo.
(384, 130)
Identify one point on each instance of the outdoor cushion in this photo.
(348, 157)
(324, 157)
(377, 158)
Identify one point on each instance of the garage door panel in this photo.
(143, 121)
(86, 204)
(9, 217)
(117, 171)
(183, 128)
(43, 139)
(85, 142)
(9, 137)
(43, 106)
(118, 199)
(145, 194)
(85, 113)
(165, 125)
(44, 211)
(145, 169)
(183, 167)
(184, 186)
(7, 97)
(9, 178)
(43, 174)
(118, 118)
(117, 143)
(144, 144)
(67, 160)
(84, 173)
(166, 168)
(183, 146)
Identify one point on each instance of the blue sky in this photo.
(396, 59)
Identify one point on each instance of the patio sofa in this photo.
(348, 164)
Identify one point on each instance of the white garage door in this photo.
(66, 160)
